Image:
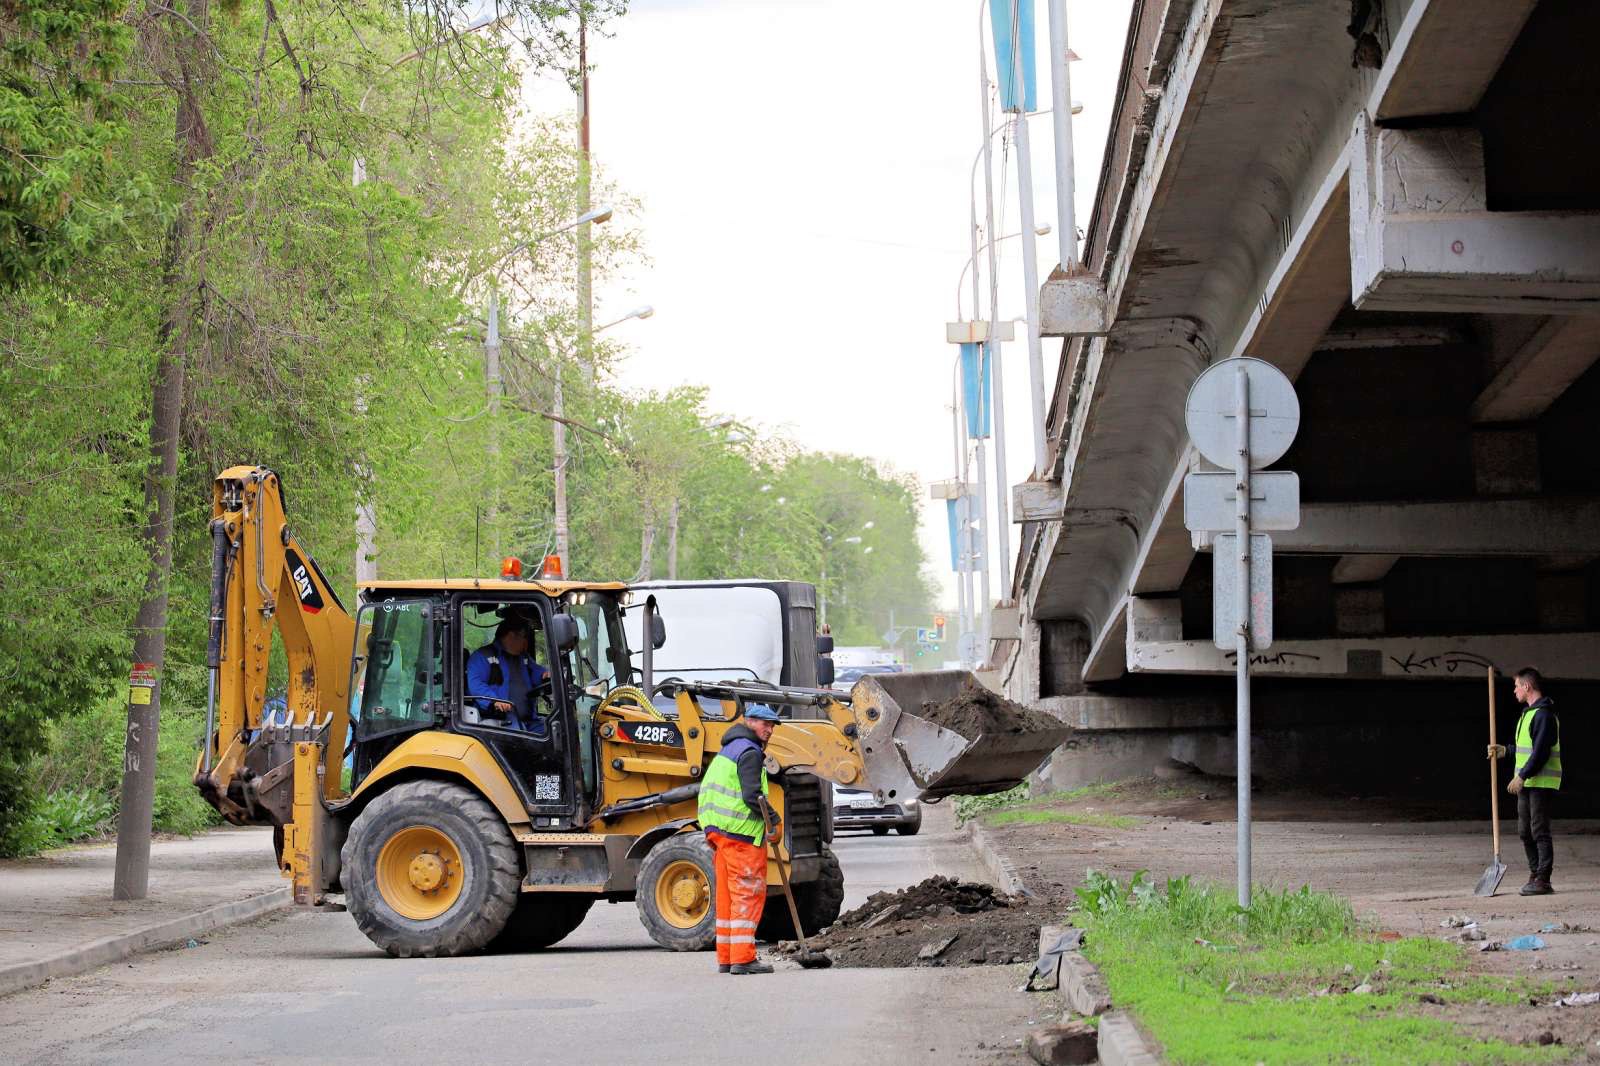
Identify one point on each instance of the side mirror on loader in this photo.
(658, 631)
(825, 673)
(564, 632)
(824, 644)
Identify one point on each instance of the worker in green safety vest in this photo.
(732, 795)
(1537, 777)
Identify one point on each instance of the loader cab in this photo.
(410, 667)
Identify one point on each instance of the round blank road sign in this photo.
(1213, 400)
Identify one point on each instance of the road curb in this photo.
(1122, 1043)
(1000, 868)
(110, 949)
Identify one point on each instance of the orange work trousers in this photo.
(741, 896)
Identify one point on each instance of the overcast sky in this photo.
(803, 167)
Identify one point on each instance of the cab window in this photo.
(394, 670)
(486, 666)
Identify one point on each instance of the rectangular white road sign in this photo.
(1208, 501)
(1224, 586)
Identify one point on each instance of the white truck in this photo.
(738, 630)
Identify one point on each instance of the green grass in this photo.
(1216, 984)
(1099, 821)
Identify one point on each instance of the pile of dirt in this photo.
(939, 922)
(976, 710)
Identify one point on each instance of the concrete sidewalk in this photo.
(57, 915)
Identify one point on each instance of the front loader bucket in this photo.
(906, 756)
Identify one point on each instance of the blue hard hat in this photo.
(761, 712)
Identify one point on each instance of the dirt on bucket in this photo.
(939, 922)
(976, 710)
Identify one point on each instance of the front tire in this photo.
(429, 870)
(880, 830)
(817, 901)
(677, 893)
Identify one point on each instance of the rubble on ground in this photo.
(938, 922)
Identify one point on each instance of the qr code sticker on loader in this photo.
(547, 787)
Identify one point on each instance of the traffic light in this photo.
(938, 625)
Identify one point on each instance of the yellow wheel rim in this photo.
(420, 873)
(683, 894)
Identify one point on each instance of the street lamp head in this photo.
(599, 214)
(734, 437)
(644, 311)
(1043, 230)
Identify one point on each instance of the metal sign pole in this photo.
(1242, 610)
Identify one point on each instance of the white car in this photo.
(855, 808)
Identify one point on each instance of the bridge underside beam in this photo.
(1568, 656)
(1422, 237)
(1538, 527)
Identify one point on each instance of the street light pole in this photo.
(1061, 95)
(996, 378)
(1030, 252)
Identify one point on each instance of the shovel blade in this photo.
(1490, 881)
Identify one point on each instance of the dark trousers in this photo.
(1533, 825)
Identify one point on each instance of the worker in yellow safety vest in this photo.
(732, 795)
(1537, 777)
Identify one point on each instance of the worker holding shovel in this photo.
(732, 800)
(1537, 777)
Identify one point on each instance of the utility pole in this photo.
(491, 374)
(585, 301)
(1030, 252)
(996, 378)
(366, 517)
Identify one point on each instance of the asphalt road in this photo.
(301, 987)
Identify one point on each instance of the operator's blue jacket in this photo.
(487, 682)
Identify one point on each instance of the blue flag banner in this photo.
(1005, 74)
(975, 388)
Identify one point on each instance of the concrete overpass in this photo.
(1397, 202)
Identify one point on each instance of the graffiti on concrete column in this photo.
(1277, 658)
(1449, 662)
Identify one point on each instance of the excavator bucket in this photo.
(909, 749)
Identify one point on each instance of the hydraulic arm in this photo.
(256, 767)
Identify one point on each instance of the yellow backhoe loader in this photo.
(457, 828)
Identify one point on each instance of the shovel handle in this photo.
(788, 893)
(1494, 774)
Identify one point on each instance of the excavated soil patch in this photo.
(939, 922)
(976, 710)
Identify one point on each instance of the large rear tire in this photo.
(430, 869)
(677, 893)
(542, 919)
(817, 901)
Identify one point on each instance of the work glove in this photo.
(774, 825)
(1515, 786)
(1496, 751)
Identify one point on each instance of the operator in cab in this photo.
(732, 795)
(504, 679)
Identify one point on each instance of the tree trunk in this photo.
(131, 879)
(647, 546)
(672, 542)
